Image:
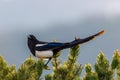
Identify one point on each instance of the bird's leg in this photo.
(48, 61)
(45, 66)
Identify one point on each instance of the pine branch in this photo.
(32, 69)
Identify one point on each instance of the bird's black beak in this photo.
(29, 37)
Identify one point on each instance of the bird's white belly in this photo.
(44, 54)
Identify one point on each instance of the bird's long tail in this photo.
(91, 37)
(81, 41)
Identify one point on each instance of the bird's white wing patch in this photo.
(44, 54)
(37, 45)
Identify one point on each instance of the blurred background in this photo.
(61, 20)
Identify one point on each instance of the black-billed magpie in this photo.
(47, 50)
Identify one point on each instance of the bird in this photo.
(47, 50)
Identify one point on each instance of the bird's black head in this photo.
(32, 41)
(32, 37)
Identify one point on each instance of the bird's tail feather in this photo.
(81, 41)
(91, 37)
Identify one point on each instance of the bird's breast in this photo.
(44, 54)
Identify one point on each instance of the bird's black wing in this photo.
(49, 46)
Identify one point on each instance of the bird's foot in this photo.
(46, 67)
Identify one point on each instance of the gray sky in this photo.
(61, 20)
(29, 14)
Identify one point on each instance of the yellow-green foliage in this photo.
(29, 70)
(32, 69)
(90, 75)
(70, 70)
